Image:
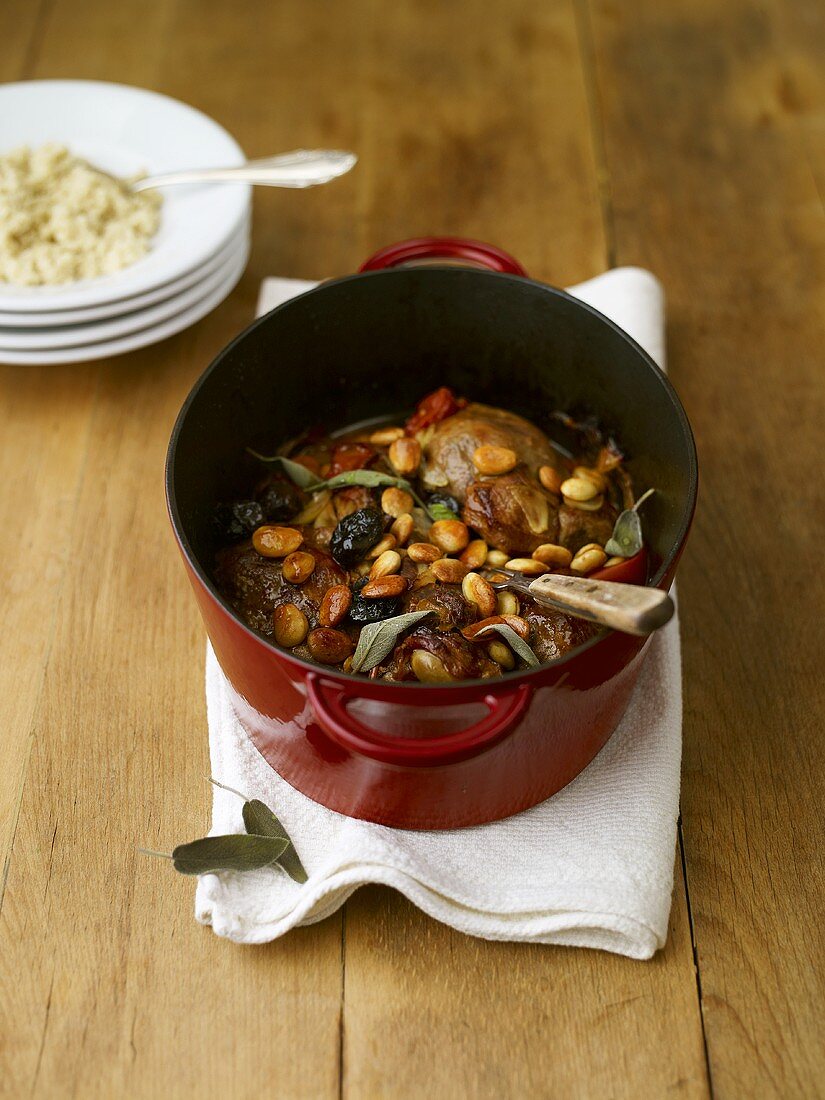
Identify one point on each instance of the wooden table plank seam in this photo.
(44, 1031)
(38, 34)
(584, 31)
(342, 1022)
(696, 966)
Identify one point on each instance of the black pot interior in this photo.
(370, 346)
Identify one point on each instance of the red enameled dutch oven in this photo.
(368, 347)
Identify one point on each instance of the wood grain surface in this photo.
(684, 137)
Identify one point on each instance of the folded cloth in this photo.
(590, 867)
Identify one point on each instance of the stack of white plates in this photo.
(197, 256)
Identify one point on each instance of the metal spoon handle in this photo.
(301, 168)
(631, 608)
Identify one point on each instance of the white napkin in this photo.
(591, 867)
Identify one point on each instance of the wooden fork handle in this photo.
(631, 608)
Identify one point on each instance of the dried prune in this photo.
(280, 500)
(238, 521)
(354, 535)
(373, 611)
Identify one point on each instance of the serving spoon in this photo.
(301, 168)
(630, 608)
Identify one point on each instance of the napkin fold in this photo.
(590, 867)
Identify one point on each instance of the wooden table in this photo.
(686, 137)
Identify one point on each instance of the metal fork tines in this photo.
(515, 580)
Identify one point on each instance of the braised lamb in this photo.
(399, 529)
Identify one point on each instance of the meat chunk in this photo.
(448, 455)
(448, 603)
(352, 499)
(255, 585)
(552, 633)
(463, 660)
(512, 512)
(577, 527)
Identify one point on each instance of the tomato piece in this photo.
(631, 571)
(436, 406)
(350, 456)
(310, 462)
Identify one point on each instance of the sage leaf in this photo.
(521, 649)
(224, 787)
(302, 477)
(626, 539)
(235, 852)
(369, 478)
(378, 639)
(642, 499)
(260, 820)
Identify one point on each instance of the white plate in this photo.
(151, 335)
(55, 317)
(68, 336)
(125, 131)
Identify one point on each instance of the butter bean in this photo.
(450, 534)
(428, 668)
(579, 489)
(276, 542)
(491, 460)
(290, 624)
(385, 564)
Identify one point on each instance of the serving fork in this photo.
(630, 608)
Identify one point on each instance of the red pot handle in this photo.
(329, 702)
(439, 248)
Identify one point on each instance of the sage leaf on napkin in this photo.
(264, 843)
(258, 819)
(627, 539)
(235, 852)
(517, 644)
(303, 478)
(377, 640)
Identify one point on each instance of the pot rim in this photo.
(405, 688)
